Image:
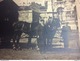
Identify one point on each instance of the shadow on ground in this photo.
(47, 50)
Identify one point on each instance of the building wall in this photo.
(78, 16)
(65, 9)
(65, 13)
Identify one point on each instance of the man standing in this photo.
(65, 34)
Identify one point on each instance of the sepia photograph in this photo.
(39, 30)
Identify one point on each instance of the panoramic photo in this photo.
(39, 30)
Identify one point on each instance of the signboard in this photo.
(25, 15)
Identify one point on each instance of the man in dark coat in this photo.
(50, 30)
(65, 34)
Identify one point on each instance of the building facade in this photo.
(66, 10)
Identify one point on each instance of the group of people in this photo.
(49, 31)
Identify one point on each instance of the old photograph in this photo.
(39, 30)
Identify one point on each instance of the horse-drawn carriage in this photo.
(31, 29)
(35, 29)
(11, 28)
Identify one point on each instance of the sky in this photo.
(20, 2)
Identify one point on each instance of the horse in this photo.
(25, 27)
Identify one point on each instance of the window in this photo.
(72, 1)
(59, 0)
